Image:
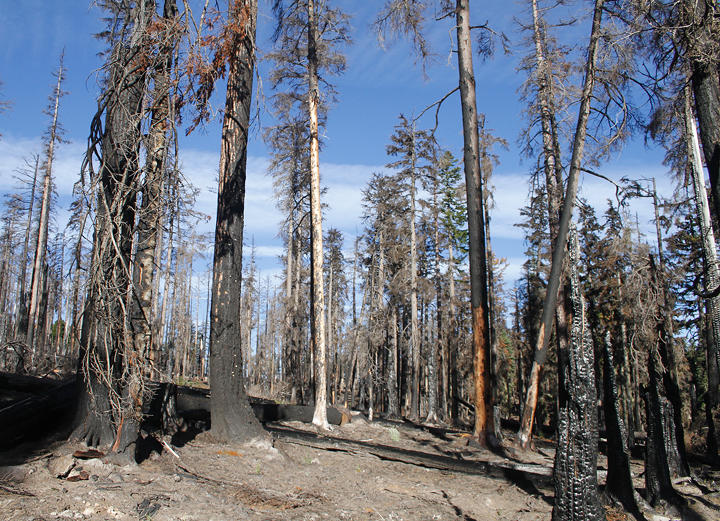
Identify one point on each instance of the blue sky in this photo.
(378, 86)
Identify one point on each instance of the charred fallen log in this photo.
(196, 402)
(27, 384)
(36, 416)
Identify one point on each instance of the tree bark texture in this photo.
(705, 81)
(111, 391)
(484, 425)
(712, 277)
(575, 473)
(658, 484)
(619, 486)
(151, 207)
(232, 417)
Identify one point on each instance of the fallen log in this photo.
(195, 402)
(523, 474)
(37, 416)
(27, 384)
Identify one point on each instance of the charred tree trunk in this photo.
(619, 486)
(575, 473)
(111, 390)
(658, 485)
(232, 417)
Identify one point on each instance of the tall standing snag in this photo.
(484, 423)
(232, 417)
(110, 400)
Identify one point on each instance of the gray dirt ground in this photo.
(353, 473)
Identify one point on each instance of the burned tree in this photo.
(575, 473)
(232, 417)
(111, 395)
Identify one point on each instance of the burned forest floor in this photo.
(359, 471)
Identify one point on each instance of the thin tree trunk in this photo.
(318, 298)
(452, 377)
(42, 237)
(484, 423)
(21, 323)
(551, 297)
(149, 218)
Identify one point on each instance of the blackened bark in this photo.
(619, 485)
(675, 438)
(658, 485)
(231, 415)
(575, 473)
(110, 395)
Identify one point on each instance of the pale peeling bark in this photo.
(149, 215)
(318, 298)
(712, 271)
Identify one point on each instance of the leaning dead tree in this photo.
(576, 490)
(551, 297)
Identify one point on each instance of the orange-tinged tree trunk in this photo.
(484, 424)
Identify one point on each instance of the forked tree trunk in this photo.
(551, 297)
(484, 423)
(232, 417)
